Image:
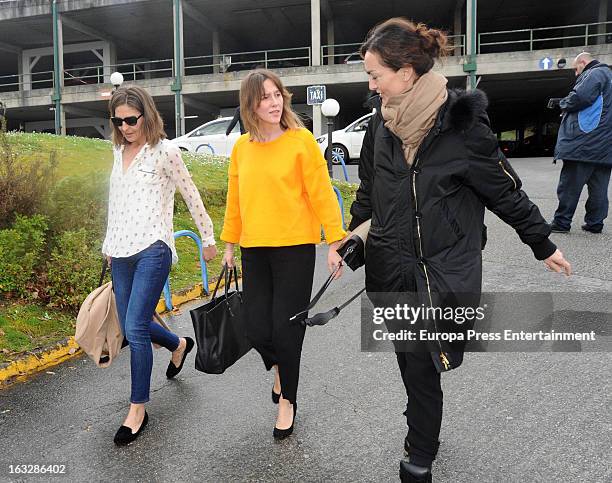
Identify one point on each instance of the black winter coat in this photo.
(427, 227)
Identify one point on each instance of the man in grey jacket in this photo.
(584, 143)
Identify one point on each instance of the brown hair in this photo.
(251, 92)
(141, 100)
(400, 42)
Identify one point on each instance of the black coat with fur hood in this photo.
(427, 228)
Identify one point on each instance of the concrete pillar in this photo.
(602, 16)
(20, 57)
(471, 39)
(315, 29)
(109, 60)
(216, 50)
(179, 70)
(458, 27)
(317, 120)
(331, 40)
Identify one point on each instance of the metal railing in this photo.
(349, 53)
(203, 267)
(545, 37)
(236, 61)
(488, 42)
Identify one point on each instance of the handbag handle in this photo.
(104, 268)
(223, 272)
(228, 279)
(227, 276)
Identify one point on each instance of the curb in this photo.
(41, 359)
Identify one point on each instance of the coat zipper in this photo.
(442, 355)
(501, 163)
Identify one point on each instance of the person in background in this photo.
(584, 143)
(139, 242)
(279, 195)
(429, 167)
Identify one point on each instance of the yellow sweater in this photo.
(279, 193)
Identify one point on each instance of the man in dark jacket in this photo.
(584, 144)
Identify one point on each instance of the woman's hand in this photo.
(557, 263)
(209, 252)
(333, 259)
(228, 256)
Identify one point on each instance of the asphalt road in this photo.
(508, 416)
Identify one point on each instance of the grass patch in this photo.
(24, 326)
(27, 327)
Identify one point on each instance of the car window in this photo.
(360, 126)
(213, 128)
(236, 129)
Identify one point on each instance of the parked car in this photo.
(346, 142)
(210, 138)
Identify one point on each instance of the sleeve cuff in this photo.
(544, 249)
(208, 242)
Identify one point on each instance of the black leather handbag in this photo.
(220, 330)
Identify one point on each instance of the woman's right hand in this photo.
(228, 255)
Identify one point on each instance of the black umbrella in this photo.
(352, 251)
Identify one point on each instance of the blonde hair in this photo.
(251, 92)
(141, 100)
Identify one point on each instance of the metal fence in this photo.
(580, 35)
(349, 53)
(488, 42)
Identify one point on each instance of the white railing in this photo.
(578, 35)
(501, 41)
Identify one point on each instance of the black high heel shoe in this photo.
(411, 473)
(275, 397)
(172, 369)
(283, 433)
(125, 436)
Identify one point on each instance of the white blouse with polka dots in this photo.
(141, 201)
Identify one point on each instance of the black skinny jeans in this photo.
(276, 284)
(424, 408)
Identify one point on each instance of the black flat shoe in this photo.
(275, 397)
(283, 433)
(591, 229)
(557, 229)
(172, 369)
(125, 436)
(411, 473)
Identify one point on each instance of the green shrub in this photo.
(21, 250)
(74, 268)
(78, 202)
(24, 185)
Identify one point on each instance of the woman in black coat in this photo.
(429, 166)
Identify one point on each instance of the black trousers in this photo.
(276, 284)
(424, 408)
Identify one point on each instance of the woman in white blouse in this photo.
(139, 240)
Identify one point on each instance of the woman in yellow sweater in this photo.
(279, 195)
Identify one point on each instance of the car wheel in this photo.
(339, 151)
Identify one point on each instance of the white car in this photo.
(346, 142)
(210, 138)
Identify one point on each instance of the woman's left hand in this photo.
(209, 252)
(557, 263)
(333, 259)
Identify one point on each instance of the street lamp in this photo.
(116, 79)
(330, 109)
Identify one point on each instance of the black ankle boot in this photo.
(411, 473)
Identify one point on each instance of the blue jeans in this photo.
(138, 281)
(574, 175)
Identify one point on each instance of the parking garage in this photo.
(192, 54)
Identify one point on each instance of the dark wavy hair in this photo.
(400, 42)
